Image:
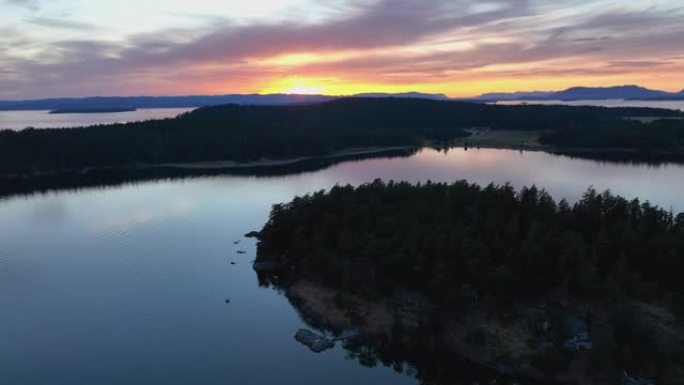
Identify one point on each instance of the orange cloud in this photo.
(459, 48)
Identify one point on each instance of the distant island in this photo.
(236, 135)
(186, 101)
(512, 281)
(98, 110)
(628, 92)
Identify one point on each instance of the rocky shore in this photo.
(524, 343)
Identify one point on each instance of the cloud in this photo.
(640, 64)
(401, 41)
(33, 5)
(385, 23)
(60, 23)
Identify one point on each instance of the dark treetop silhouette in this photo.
(248, 133)
(486, 260)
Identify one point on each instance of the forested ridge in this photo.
(660, 135)
(244, 133)
(435, 236)
(524, 257)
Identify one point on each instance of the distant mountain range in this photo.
(521, 95)
(132, 102)
(416, 95)
(630, 92)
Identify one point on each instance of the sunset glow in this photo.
(295, 86)
(303, 90)
(459, 48)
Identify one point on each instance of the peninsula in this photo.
(94, 110)
(512, 281)
(253, 133)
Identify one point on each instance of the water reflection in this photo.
(130, 176)
(18, 120)
(151, 213)
(630, 158)
(668, 104)
(146, 304)
(412, 342)
(559, 173)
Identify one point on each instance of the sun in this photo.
(314, 85)
(296, 85)
(304, 90)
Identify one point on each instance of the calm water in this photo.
(127, 285)
(18, 120)
(672, 105)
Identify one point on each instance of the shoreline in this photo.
(67, 111)
(266, 162)
(220, 165)
(529, 141)
(480, 335)
(33, 182)
(380, 317)
(481, 139)
(396, 261)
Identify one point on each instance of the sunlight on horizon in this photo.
(340, 47)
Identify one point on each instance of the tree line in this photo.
(507, 247)
(245, 133)
(435, 237)
(660, 135)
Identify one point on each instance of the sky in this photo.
(53, 48)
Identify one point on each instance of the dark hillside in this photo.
(245, 133)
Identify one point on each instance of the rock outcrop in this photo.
(314, 341)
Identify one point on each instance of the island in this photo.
(241, 138)
(93, 110)
(445, 275)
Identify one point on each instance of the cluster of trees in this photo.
(20, 184)
(435, 237)
(506, 246)
(243, 133)
(660, 135)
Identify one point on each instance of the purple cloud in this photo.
(507, 32)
